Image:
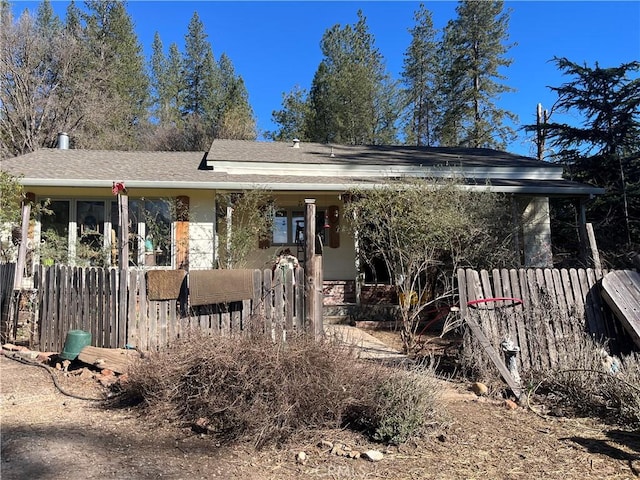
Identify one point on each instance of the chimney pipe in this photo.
(63, 141)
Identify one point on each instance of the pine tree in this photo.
(167, 82)
(201, 73)
(350, 97)
(473, 51)
(419, 78)
(235, 117)
(116, 52)
(605, 149)
(292, 117)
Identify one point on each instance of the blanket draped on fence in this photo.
(165, 284)
(219, 286)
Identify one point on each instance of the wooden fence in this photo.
(7, 272)
(557, 307)
(72, 298)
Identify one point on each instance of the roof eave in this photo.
(570, 190)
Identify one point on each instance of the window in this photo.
(90, 220)
(86, 232)
(150, 231)
(288, 226)
(54, 233)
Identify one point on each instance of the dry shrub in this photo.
(580, 380)
(401, 406)
(252, 389)
(594, 384)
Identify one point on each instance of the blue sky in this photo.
(275, 45)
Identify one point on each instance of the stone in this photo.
(301, 458)
(106, 372)
(337, 450)
(510, 404)
(354, 454)
(479, 388)
(326, 444)
(107, 381)
(201, 426)
(372, 455)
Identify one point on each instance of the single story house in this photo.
(79, 184)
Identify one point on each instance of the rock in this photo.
(354, 454)
(337, 450)
(373, 455)
(201, 425)
(106, 372)
(326, 444)
(301, 458)
(44, 357)
(510, 404)
(107, 381)
(479, 388)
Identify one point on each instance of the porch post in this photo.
(536, 228)
(313, 272)
(123, 267)
(582, 230)
(229, 221)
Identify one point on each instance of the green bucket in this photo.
(75, 342)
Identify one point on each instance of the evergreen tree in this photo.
(116, 52)
(419, 78)
(235, 118)
(473, 51)
(605, 149)
(167, 83)
(292, 117)
(47, 22)
(350, 96)
(201, 72)
(72, 20)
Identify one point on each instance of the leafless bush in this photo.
(581, 377)
(595, 384)
(253, 389)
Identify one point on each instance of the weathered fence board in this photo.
(90, 299)
(558, 306)
(7, 272)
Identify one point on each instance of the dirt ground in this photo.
(47, 435)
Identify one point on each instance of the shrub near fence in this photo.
(87, 299)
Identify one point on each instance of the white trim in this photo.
(298, 187)
(550, 172)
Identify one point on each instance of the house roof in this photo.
(354, 155)
(239, 165)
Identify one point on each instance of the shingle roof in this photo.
(189, 169)
(281, 152)
(106, 165)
